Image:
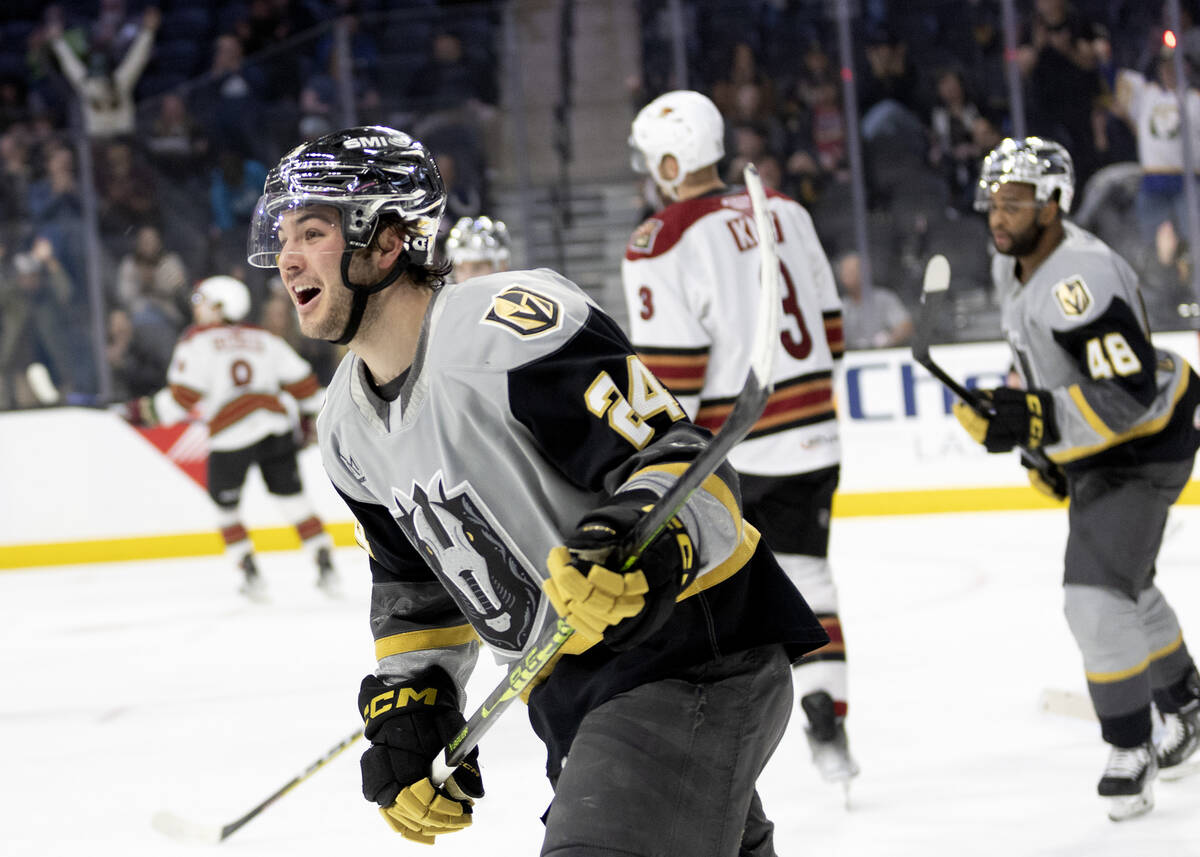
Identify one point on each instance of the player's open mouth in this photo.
(304, 294)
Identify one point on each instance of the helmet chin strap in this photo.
(358, 303)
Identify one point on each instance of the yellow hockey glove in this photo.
(1046, 476)
(600, 601)
(420, 812)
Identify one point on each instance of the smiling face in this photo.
(310, 264)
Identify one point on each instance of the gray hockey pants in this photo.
(668, 769)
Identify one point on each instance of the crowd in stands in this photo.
(932, 99)
(183, 104)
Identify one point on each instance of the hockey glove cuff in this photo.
(1047, 477)
(589, 589)
(1018, 418)
(408, 725)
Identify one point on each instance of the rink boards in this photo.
(82, 486)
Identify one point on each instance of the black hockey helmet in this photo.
(365, 172)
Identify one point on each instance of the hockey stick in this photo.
(182, 829)
(747, 408)
(933, 294)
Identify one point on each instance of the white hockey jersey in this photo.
(691, 278)
(243, 381)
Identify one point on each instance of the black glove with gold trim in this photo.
(408, 725)
(1014, 418)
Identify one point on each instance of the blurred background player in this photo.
(250, 388)
(478, 246)
(686, 273)
(1112, 419)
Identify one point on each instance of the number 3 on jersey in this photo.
(798, 342)
(627, 412)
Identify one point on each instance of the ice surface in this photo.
(132, 688)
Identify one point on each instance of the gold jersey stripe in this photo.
(419, 641)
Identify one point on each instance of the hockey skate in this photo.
(327, 576)
(253, 586)
(1177, 756)
(826, 733)
(1128, 781)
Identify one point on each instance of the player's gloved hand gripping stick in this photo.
(1000, 419)
(746, 410)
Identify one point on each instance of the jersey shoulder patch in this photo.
(1073, 297)
(524, 312)
(642, 240)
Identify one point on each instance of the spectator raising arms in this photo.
(107, 96)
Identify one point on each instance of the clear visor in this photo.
(276, 215)
(989, 183)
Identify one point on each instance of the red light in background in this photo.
(1169, 39)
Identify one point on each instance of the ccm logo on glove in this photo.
(398, 697)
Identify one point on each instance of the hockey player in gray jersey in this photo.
(1108, 419)
(495, 440)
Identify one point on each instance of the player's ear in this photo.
(1048, 212)
(389, 243)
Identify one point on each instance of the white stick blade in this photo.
(171, 825)
(937, 274)
(1067, 703)
(766, 334)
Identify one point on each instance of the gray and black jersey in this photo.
(1078, 330)
(525, 408)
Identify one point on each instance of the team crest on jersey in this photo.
(642, 240)
(524, 312)
(1073, 297)
(469, 552)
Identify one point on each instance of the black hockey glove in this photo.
(1021, 418)
(589, 589)
(408, 725)
(1046, 476)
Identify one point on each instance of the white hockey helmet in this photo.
(684, 124)
(227, 294)
(1037, 161)
(478, 239)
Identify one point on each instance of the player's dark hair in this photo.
(431, 276)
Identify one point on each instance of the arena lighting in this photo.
(1169, 39)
